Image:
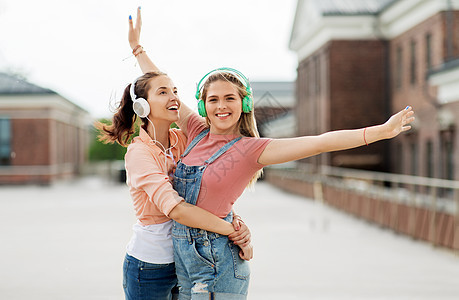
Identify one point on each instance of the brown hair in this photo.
(122, 127)
(247, 124)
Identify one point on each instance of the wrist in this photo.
(133, 44)
(378, 132)
(229, 229)
(384, 131)
(137, 50)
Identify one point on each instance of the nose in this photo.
(221, 104)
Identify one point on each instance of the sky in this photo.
(80, 50)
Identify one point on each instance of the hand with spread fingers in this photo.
(144, 61)
(398, 122)
(134, 32)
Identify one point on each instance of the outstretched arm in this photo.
(284, 150)
(147, 65)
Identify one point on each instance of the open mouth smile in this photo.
(223, 115)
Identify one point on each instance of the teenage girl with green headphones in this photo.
(224, 155)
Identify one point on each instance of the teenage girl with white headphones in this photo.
(225, 155)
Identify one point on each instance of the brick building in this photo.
(361, 61)
(43, 136)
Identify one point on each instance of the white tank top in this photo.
(152, 243)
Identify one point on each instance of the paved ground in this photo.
(67, 242)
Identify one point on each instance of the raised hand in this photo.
(134, 32)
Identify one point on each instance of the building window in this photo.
(399, 68)
(414, 159)
(447, 156)
(399, 158)
(5, 141)
(317, 74)
(311, 88)
(428, 51)
(429, 159)
(307, 79)
(413, 63)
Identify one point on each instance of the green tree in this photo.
(101, 151)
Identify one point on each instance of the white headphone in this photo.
(142, 109)
(140, 105)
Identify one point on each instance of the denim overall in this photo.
(208, 265)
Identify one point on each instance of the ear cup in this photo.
(202, 108)
(141, 107)
(247, 104)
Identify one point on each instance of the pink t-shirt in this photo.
(226, 178)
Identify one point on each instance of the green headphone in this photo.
(247, 102)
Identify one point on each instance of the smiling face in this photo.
(224, 107)
(163, 99)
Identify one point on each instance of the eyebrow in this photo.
(223, 96)
(165, 88)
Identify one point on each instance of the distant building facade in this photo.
(274, 103)
(43, 136)
(361, 61)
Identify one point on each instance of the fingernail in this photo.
(407, 107)
(130, 17)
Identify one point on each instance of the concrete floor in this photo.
(67, 241)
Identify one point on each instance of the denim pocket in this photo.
(149, 266)
(241, 267)
(203, 251)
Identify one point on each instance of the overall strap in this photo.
(222, 150)
(196, 140)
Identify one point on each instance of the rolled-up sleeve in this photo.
(145, 174)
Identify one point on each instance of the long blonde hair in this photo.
(247, 123)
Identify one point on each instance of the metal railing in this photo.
(432, 194)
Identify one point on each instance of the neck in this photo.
(224, 132)
(230, 131)
(160, 132)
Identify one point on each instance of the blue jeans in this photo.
(142, 280)
(208, 262)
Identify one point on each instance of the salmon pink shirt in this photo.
(147, 171)
(226, 178)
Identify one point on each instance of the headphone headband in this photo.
(238, 74)
(131, 90)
